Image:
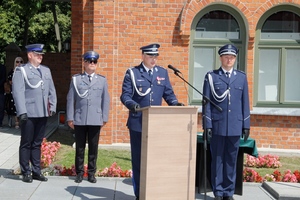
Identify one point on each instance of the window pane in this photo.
(204, 61)
(292, 74)
(268, 74)
(217, 24)
(281, 25)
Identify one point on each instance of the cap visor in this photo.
(38, 52)
(228, 53)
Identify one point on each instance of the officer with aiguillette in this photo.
(35, 99)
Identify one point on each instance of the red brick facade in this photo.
(116, 29)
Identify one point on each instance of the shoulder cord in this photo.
(27, 81)
(134, 85)
(215, 95)
(80, 95)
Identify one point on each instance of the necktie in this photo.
(228, 74)
(150, 74)
(39, 71)
(90, 78)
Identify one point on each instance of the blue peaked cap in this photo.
(36, 48)
(151, 49)
(228, 49)
(90, 55)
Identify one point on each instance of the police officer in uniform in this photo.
(35, 99)
(87, 112)
(228, 88)
(144, 85)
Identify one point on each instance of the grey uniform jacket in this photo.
(88, 103)
(33, 93)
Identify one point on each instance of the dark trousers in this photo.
(91, 134)
(2, 102)
(135, 144)
(224, 152)
(32, 134)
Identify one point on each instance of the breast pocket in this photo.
(97, 91)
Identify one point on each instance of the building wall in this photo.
(117, 29)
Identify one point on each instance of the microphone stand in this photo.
(205, 100)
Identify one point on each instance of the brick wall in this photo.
(116, 29)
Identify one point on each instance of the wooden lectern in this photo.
(168, 159)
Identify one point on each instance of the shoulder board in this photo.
(100, 75)
(211, 71)
(76, 75)
(44, 66)
(240, 71)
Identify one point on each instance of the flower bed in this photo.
(268, 161)
(48, 152)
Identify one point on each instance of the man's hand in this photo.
(52, 113)
(179, 104)
(134, 107)
(23, 118)
(71, 124)
(246, 133)
(208, 133)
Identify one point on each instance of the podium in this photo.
(168, 156)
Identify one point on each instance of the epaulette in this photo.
(76, 75)
(240, 71)
(211, 71)
(44, 66)
(100, 75)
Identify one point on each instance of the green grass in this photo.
(106, 157)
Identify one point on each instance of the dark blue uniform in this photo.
(139, 88)
(231, 94)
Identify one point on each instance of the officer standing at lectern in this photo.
(35, 99)
(88, 104)
(144, 85)
(227, 88)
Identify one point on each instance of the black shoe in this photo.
(92, 179)
(39, 177)
(228, 198)
(78, 178)
(218, 198)
(137, 198)
(27, 178)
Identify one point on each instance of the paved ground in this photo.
(64, 188)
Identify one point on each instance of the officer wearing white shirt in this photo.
(88, 104)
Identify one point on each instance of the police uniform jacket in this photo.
(235, 114)
(34, 92)
(91, 108)
(160, 89)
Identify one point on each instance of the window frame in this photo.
(283, 45)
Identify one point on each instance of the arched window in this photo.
(277, 68)
(211, 29)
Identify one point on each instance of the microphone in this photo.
(174, 69)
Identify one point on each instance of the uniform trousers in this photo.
(135, 145)
(224, 152)
(32, 134)
(91, 135)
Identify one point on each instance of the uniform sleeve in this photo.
(52, 95)
(169, 95)
(18, 91)
(127, 91)
(206, 110)
(70, 102)
(105, 102)
(246, 105)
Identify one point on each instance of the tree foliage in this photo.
(31, 21)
